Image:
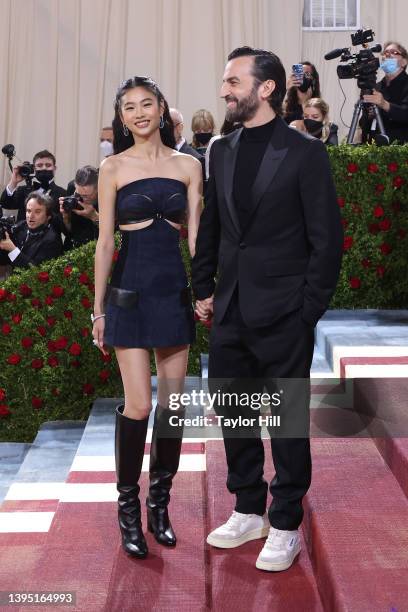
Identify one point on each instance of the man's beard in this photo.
(245, 109)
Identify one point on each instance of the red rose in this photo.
(380, 271)
(365, 263)
(88, 389)
(398, 182)
(183, 232)
(385, 248)
(25, 290)
(43, 277)
(91, 288)
(104, 375)
(51, 321)
(379, 188)
(352, 168)
(57, 291)
(3, 294)
(396, 207)
(75, 363)
(86, 302)
(61, 343)
(36, 402)
(84, 278)
(378, 211)
(373, 228)
(68, 314)
(402, 233)
(348, 242)
(4, 411)
(2, 394)
(51, 346)
(42, 330)
(75, 349)
(84, 332)
(115, 256)
(393, 166)
(27, 342)
(372, 168)
(105, 358)
(16, 318)
(14, 359)
(384, 225)
(53, 361)
(67, 271)
(5, 329)
(36, 303)
(37, 364)
(341, 202)
(355, 283)
(49, 301)
(344, 223)
(11, 297)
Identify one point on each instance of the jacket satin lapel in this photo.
(230, 159)
(271, 161)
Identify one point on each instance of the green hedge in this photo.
(49, 366)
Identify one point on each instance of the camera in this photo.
(6, 225)
(26, 170)
(363, 65)
(72, 202)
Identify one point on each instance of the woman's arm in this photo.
(194, 195)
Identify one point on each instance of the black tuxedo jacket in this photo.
(35, 248)
(289, 254)
(18, 198)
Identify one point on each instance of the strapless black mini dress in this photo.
(148, 300)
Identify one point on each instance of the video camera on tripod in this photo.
(363, 67)
(26, 170)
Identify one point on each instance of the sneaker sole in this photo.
(255, 534)
(276, 567)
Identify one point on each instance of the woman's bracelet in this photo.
(95, 318)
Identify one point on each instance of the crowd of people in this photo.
(51, 219)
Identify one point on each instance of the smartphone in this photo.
(297, 70)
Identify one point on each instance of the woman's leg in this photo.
(130, 437)
(165, 448)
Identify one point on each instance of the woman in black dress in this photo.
(148, 188)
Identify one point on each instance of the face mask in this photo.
(390, 65)
(203, 138)
(106, 148)
(44, 177)
(313, 127)
(307, 83)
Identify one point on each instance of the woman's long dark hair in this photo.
(292, 102)
(122, 142)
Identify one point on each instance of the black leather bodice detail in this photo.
(150, 199)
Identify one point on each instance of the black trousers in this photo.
(248, 359)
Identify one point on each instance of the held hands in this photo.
(205, 308)
(7, 244)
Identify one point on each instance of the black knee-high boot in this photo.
(164, 462)
(130, 437)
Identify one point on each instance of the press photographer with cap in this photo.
(34, 240)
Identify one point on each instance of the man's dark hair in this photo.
(42, 154)
(43, 199)
(266, 66)
(88, 175)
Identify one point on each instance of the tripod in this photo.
(381, 138)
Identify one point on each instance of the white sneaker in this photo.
(279, 551)
(239, 528)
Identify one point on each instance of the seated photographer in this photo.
(14, 196)
(316, 121)
(34, 240)
(390, 96)
(80, 211)
(298, 92)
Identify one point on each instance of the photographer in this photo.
(298, 92)
(80, 211)
(14, 197)
(390, 96)
(34, 240)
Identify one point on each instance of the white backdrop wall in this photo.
(62, 60)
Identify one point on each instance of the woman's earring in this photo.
(125, 130)
(161, 124)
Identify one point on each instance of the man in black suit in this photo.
(271, 226)
(181, 143)
(33, 240)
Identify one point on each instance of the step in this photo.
(12, 455)
(236, 583)
(356, 518)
